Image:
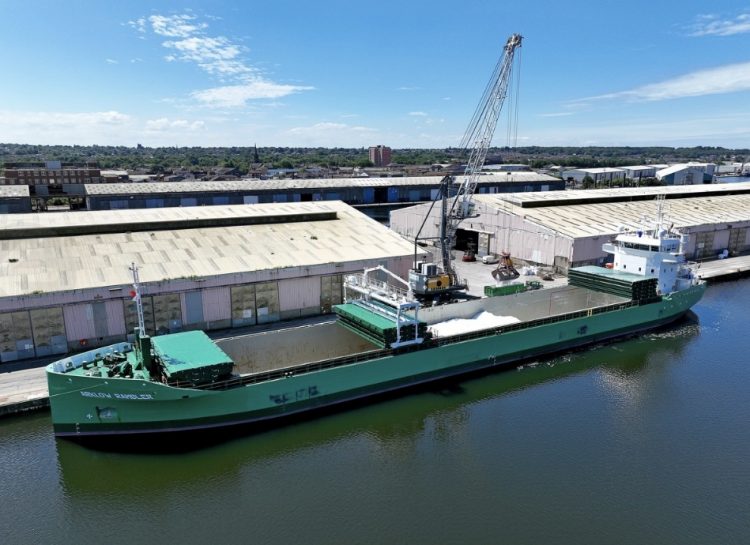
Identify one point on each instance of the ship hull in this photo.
(87, 406)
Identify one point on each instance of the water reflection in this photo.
(604, 444)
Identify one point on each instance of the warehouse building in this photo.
(638, 172)
(65, 281)
(43, 175)
(601, 175)
(687, 174)
(14, 199)
(567, 228)
(354, 191)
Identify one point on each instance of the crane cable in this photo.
(514, 96)
(517, 97)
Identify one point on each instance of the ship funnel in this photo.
(684, 239)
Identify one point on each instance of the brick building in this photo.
(51, 173)
(380, 156)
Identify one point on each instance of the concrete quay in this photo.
(23, 385)
(24, 388)
(719, 268)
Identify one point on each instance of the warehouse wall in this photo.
(55, 323)
(94, 324)
(707, 241)
(217, 307)
(299, 297)
(524, 239)
(15, 205)
(588, 250)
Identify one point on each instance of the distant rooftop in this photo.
(586, 219)
(557, 198)
(153, 219)
(10, 191)
(598, 170)
(302, 184)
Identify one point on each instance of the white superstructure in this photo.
(654, 252)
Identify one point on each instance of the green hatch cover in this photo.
(191, 356)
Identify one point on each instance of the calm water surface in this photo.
(643, 441)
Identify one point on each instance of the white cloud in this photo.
(730, 78)
(89, 128)
(138, 24)
(418, 114)
(174, 26)
(329, 134)
(217, 56)
(110, 128)
(165, 124)
(230, 96)
(137, 59)
(406, 88)
(721, 130)
(711, 25)
(62, 119)
(111, 61)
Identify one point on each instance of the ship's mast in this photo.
(659, 215)
(137, 299)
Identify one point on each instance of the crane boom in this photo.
(478, 136)
(477, 140)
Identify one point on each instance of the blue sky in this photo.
(353, 74)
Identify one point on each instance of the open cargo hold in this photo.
(619, 283)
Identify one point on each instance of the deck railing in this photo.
(430, 343)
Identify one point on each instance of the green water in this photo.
(644, 441)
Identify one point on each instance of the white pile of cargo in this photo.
(459, 326)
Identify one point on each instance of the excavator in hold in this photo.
(440, 282)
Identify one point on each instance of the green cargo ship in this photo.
(380, 343)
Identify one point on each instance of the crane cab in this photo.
(429, 283)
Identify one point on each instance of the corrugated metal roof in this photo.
(584, 220)
(10, 191)
(596, 170)
(674, 168)
(169, 187)
(671, 191)
(51, 264)
(92, 219)
(307, 184)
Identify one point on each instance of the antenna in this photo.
(659, 211)
(136, 295)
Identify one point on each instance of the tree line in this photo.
(244, 158)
